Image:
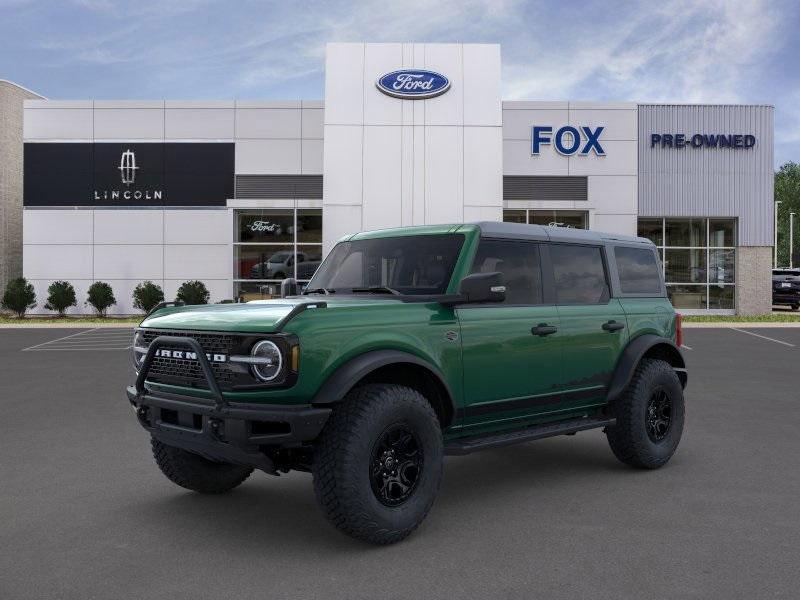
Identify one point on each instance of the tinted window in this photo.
(579, 274)
(638, 271)
(418, 264)
(519, 264)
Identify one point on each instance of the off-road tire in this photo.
(628, 438)
(196, 473)
(343, 458)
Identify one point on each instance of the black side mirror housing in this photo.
(482, 287)
(288, 287)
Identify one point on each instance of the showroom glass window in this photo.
(576, 219)
(273, 244)
(699, 260)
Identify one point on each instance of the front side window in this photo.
(519, 264)
(579, 273)
(638, 271)
(413, 265)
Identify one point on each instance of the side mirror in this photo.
(482, 287)
(288, 287)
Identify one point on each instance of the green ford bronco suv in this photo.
(410, 344)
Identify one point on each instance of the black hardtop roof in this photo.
(553, 234)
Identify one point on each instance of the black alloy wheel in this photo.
(659, 415)
(395, 465)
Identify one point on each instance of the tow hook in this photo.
(142, 413)
(216, 428)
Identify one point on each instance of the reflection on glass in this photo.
(685, 232)
(722, 266)
(721, 296)
(576, 219)
(246, 291)
(722, 232)
(264, 262)
(652, 229)
(309, 226)
(685, 266)
(687, 296)
(514, 216)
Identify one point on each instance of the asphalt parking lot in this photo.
(84, 512)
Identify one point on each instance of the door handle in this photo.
(543, 329)
(612, 326)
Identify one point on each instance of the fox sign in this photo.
(568, 140)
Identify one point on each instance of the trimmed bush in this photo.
(19, 297)
(193, 292)
(101, 297)
(147, 295)
(60, 296)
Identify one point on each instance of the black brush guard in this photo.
(216, 429)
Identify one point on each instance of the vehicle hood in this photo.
(262, 316)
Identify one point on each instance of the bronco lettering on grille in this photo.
(184, 355)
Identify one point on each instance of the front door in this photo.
(511, 350)
(593, 325)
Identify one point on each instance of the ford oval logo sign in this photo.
(413, 84)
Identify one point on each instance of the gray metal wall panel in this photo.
(709, 182)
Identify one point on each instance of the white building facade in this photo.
(242, 194)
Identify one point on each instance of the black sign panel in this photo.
(128, 174)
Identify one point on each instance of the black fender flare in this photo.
(354, 370)
(632, 355)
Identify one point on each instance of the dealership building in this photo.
(240, 194)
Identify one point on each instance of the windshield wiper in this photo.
(320, 290)
(377, 289)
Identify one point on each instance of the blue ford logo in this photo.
(413, 84)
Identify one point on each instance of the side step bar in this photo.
(468, 445)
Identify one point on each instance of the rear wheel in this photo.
(649, 415)
(378, 463)
(196, 473)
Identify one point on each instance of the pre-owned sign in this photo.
(702, 140)
(128, 174)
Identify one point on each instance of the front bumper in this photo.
(213, 428)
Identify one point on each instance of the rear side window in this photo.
(638, 271)
(519, 264)
(579, 273)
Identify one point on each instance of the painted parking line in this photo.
(91, 339)
(685, 347)
(763, 337)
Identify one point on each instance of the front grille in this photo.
(188, 372)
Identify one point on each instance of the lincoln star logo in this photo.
(127, 167)
(183, 355)
(413, 84)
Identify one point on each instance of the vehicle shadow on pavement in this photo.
(283, 511)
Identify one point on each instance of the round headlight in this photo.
(268, 360)
(139, 348)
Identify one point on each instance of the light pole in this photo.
(777, 202)
(791, 238)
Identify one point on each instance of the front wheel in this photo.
(649, 415)
(378, 463)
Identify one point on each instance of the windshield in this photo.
(420, 264)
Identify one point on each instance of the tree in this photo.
(19, 296)
(146, 295)
(193, 292)
(101, 297)
(787, 191)
(60, 296)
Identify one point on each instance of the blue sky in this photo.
(664, 50)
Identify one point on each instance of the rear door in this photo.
(510, 370)
(593, 325)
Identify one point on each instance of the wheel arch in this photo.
(645, 346)
(390, 366)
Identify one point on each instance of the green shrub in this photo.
(19, 296)
(101, 297)
(60, 296)
(193, 292)
(147, 295)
